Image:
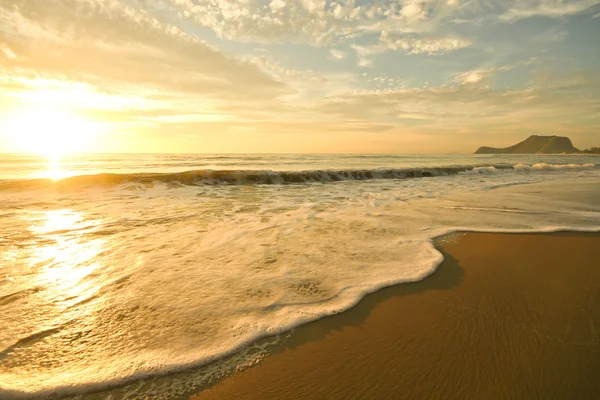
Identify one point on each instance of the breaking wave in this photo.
(271, 177)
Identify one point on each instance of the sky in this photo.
(296, 76)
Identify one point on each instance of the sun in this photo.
(50, 133)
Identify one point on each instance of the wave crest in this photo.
(270, 177)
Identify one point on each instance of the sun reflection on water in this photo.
(65, 255)
(54, 169)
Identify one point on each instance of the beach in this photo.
(158, 284)
(504, 316)
(301, 199)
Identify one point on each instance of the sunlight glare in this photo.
(55, 171)
(51, 133)
(67, 258)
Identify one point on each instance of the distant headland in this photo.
(539, 145)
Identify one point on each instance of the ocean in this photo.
(119, 269)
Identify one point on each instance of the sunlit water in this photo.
(117, 267)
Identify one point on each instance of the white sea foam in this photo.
(554, 167)
(486, 170)
(118, 283)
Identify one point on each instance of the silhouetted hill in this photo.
(535, 145)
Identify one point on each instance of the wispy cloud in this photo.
(423, 44)
(477, 77)
(337, 54)
(364, 54)
(547, 8)
(78, 42)
(551, 35)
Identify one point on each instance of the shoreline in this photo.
(320, 330)
(511, 334)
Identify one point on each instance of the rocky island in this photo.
(535, 145)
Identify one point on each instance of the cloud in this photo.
(314, 6)
(314, 22)
(8, 53)
(364, 54)
(122, 50)
(546, 8)
(142, 62)
(277, 5)
(306, 21)
(413, 12)
(304, 86)
(554, 101)
(478, 77)
(424, 45)
(337, 54)
(551, 35)
(410, 45)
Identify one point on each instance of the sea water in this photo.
(118, 267)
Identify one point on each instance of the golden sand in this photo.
(505, 316)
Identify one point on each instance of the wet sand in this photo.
(505, 316)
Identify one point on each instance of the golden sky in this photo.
(216, 76)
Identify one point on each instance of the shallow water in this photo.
(144, 270)
(505, 316)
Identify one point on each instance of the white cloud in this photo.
(477, 77)
(314, 22)
(410, 45)
(314, 6)
(425, 45)
(337, 54)
(548, 8)
(365, 53)
(469, 77)
(277, 5)
(413, 12)
(306, 85)
(8, 53)
(365, 62)
(304, 21)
